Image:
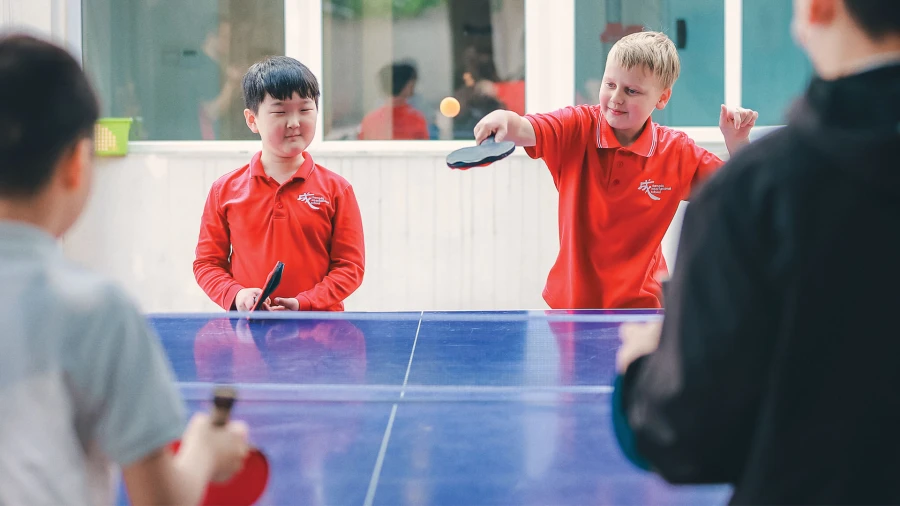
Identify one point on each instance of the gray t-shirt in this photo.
(84, 384)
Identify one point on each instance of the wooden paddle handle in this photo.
(223, 400)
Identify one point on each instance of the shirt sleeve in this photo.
(212, 255)
(556, 133)
(698, 163)
(123, 382)
(345, 272)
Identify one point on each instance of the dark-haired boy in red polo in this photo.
(281, 206)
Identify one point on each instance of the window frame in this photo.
(549, 73)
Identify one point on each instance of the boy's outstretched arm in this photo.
(735, 124)
(506, 125)
(348, 260)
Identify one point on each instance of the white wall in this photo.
(30, 15)
(436, 239)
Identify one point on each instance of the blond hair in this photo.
(653, 50)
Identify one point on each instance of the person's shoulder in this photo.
(411, 111)
(671, 137)
(372, 116)
(335, 182)
(78, 291)
(229, 178)
(587, 111)
(758, 170)
(583, 114)
(575, 127)
(86, 310)
(587, 115)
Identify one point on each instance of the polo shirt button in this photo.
(280, 205)
(615, 181)
(619, 165)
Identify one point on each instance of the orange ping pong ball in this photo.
(450, 107)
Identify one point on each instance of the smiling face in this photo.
(629, 96)
(286, 127)
(641, 69)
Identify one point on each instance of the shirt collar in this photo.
(645, 145)
(879, 61)
(17, 234)
(303, 172)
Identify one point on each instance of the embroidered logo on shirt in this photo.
(312, 200)
(652, 190)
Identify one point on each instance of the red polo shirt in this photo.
(615, 205)
(311, 223)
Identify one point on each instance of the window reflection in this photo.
(388, 65)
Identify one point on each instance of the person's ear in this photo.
(664, 99)
(250, 118)
(72, 168)
(822, 12)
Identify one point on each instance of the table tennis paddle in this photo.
(486, 153)
(272, 283)
(248, 484)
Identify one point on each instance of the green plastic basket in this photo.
(111, 136)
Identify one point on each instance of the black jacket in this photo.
(779, 364)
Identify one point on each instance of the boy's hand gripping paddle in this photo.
(248, 484)
(486, 153)
(271, 284)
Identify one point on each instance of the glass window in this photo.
(176, 66)
(389, 63)
(696, 26)
(775, 71)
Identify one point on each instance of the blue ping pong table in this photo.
(424, 408)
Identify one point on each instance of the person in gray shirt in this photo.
(84, 383)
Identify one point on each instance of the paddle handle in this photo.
(223, 400)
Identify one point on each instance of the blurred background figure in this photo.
(397, 118)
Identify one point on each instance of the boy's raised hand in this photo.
(225, 447)
(735, 124)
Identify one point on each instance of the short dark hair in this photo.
(395, 76)
(48, 106)
(279, 77)
(878, 18)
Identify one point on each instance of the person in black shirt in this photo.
(776, 366)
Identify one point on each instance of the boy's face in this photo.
(286, 127)
(628, 97)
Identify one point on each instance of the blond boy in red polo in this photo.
(620, 176)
